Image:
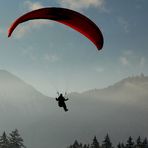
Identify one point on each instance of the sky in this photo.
(53, 57)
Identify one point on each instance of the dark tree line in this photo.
(106, 143)
(14, 140)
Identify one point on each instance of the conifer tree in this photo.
(107, 143)
(119, 145)
(4, 141)
(15, 140)
(130, 143)
(138, 142)
(86, 146)
(80, 145)
(145, 143)
(122, 145)
(76, 145)
(95, 143)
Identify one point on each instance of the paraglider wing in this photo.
(65, 16)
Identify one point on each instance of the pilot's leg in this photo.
(65, 108)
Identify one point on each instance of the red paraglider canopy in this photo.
(65, 16)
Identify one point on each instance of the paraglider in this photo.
(71, 18)
(61, 102)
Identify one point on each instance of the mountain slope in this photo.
(20, 103)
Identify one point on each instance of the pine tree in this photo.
(119, 145)
(145, 143)
(76, 145)
(15, 140)
(4, 142)
(107, 143)
(122, 145)
(86, 146)
(138, 142)
(130, 143)
(95, 143)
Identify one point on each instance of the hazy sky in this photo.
(53, 57)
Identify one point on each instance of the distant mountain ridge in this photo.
(10, 82)
(135, 88)
(18, 99)
(120, 110)
(139, 79)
